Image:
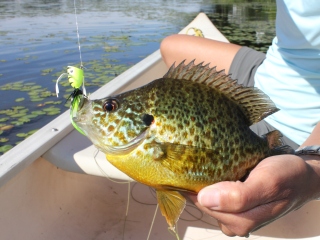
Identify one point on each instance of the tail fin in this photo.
(276, 145)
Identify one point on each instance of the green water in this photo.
(38, 41)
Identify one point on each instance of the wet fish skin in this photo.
(182, 132)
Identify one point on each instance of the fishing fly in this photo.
(76, 79)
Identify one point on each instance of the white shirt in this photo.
(290, 74)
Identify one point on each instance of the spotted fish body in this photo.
(182, 132)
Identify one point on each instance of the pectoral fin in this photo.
(171, 204)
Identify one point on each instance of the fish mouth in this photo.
(126, 148)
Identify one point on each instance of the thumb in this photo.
(232, 196)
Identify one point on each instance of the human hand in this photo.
(276, 186)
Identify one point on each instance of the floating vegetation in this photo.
(38, 113)
(6, 127)
(4, 119)
(20, 99)
(109, 48)
(46, 71)
(52, 110)
(122, 38)
(255, 29)
(3, 33)
(5, 148)
(53, 102)
(27, 58)
(3, 140)
(22, 135)
(25, 135)
(18, 116)
(97, 74)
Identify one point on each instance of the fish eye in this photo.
(110, 105)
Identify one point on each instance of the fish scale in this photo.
(182, 132)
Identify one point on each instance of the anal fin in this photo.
(171, 204)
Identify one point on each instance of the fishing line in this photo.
(153, 220)
(124, 182)
(78, 35)
(195, 217)
(75, 75)
(127, 210)
(152, 191)
(105, 173)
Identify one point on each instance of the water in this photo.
(38, 41)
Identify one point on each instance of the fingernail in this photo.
(209, 197)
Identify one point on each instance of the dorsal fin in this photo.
(255, 104)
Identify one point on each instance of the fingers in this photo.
(236, 196)
(243, 223)
(272, 180)
(275, 187)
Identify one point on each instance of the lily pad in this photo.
(53, 102)
(17, 123)
(46, 94)
(5, 148)
(18, 115)
(30, 84)
(32, 132)
(50, 109)
(53, 113)
(35, 87)
(23, 120)
(37, 113)
(20, 99)
(36, 99)
(18, 107)
(6, 127)
(22, 135)
(31, 116)
(4, 119)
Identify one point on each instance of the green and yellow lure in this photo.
(76, 79)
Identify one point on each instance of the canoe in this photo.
(56, 185)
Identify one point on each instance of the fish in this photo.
(182, 132)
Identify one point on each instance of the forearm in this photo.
(314, 138)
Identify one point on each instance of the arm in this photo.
(278, 185)
(179, 47)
